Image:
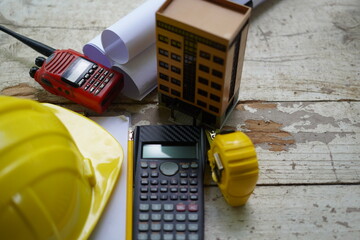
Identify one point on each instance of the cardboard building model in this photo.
(200, 53)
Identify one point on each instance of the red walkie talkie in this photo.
(72, 75)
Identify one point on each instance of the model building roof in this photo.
(211, 17)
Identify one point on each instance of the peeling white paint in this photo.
(250, 109)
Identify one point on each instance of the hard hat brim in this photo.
(105, 155)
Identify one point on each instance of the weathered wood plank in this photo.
(286, 212)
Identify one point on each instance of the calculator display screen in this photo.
(168, 151)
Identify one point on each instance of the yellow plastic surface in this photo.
(240, 174)
(57, 171)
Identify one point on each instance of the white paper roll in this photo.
(95, 51)
(132, 34)
(139, 74)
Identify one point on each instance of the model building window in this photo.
(163, 39)
(201, 103)
(164, 88)
(214, 109)
(163, 52)
(175, 57)
(203, 68)
(204, 55)
(175, 93)
(175, 43)
(215, 98)
(217, 73)
(175, 81)
(218, 60)
(164, 76)
(202, 92)
(164, 65)
(203, 80)
(216, 86)
(175, 70)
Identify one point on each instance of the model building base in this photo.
(195, 116)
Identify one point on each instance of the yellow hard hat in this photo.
(57, 171)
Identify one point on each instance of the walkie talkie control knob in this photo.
(33, 71)
(39, 61)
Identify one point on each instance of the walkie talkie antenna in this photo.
(37, 46)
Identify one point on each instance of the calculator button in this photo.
(143, 227)
(153, 165)
(97, 91)
(180, 207)
(154, 189)
(163, 189)
(144, 182)
(144, 217)
(91, 71)
(155, 236)
(194, 197)
(168, 227)
(193, 182)
(164, 182)
(101, 78)
(155, 217)
(183, 182)
(180, 227)
(106, 72)
(169, 168)
(183, 174)
(174, 197)
(111, 75)
(107, 80)
(143, 197)
(168, 207)
(173, 190)
(144, 189)
(168, 236)
(185, 166)
(184, 197)
(193, 175)
(180, 217)
(101, 70)
(82, 81)
(156, 207)
(155, 227)
(168, 217)
(102, 86)
(154, 197)
(193, 207)
(145, 174)
(86, 76)
(193, 190)
(154, 174)
(194, 165)
(142, 236)
(193, 237)
(144, 207)
(144, 164)
(154, 182)
(193, 217)
(96, 76)
(95, 66)
(164, 197)
(193, 227)
(174, 182)
(180, 236)
(183, 190)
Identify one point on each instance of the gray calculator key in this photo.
(156, 207)
(180, 227)
(180, 236)
(168, 217)
(193, 217)
(143, 227)
(155, 227)
(180, 217)
(168, 207)
(155, 236)
(169, 168)
(144, 217)
(193, 237)
(168, 236)
(155, 217)
(193, 227)
(142, 236)
(144, 207)
(168, 227)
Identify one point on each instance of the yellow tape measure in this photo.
(234, 165)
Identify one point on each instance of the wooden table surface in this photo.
(299, 103)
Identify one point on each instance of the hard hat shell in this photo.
(57, 171)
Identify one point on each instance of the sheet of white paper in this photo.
(132, 34)
(95, 51)
(112, 223)
(139, 74)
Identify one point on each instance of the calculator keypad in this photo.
(169, 200)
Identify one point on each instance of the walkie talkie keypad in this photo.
(96, 79)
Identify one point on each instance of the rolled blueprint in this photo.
(139, 74)
(132, 34)
(95, 51)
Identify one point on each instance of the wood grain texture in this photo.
(299, 103)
